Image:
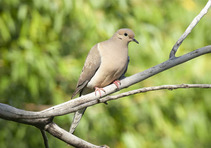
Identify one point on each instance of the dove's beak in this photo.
(135, 41)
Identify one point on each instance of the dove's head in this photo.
(126, 35)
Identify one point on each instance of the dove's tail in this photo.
(77, 117)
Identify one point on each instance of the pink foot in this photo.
(97, 89)
(117, 83)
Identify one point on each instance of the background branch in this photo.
(45, 138)
(189, 29)
(71, 139)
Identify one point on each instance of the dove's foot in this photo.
(97, 89)
(117, 83)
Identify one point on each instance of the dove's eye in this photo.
(125, 34)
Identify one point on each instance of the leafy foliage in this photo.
(43, 45)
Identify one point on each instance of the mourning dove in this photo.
(106, 62)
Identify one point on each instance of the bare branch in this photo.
(154, 88)
(11, 113)
(91, 99)
(69, 138)
(18, 115)
(189, 29)
(45, 138)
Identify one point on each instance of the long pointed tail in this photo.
(77, 117)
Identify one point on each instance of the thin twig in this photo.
(45, 138)
(189, 29)
(154, 88)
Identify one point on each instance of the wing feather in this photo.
(91, 65)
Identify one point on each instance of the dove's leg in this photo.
(117, 83)
(97, 89)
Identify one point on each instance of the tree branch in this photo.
(154, 88)
(69, 138)
(72, 105)
(45, 138)
(11, 113)
(91, 99)
(189, 29)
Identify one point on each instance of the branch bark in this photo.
(189, 29)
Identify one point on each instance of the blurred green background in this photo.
(44, 43)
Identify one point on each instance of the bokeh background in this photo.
(44, 43)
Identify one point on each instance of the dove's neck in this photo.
(119, 41)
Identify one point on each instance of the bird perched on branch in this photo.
(106, 63)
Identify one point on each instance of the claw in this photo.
(99, 90)
(117, 83)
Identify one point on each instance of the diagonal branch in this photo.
(69, 106)
(69, 138)
(11, 113)
(189, 29)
